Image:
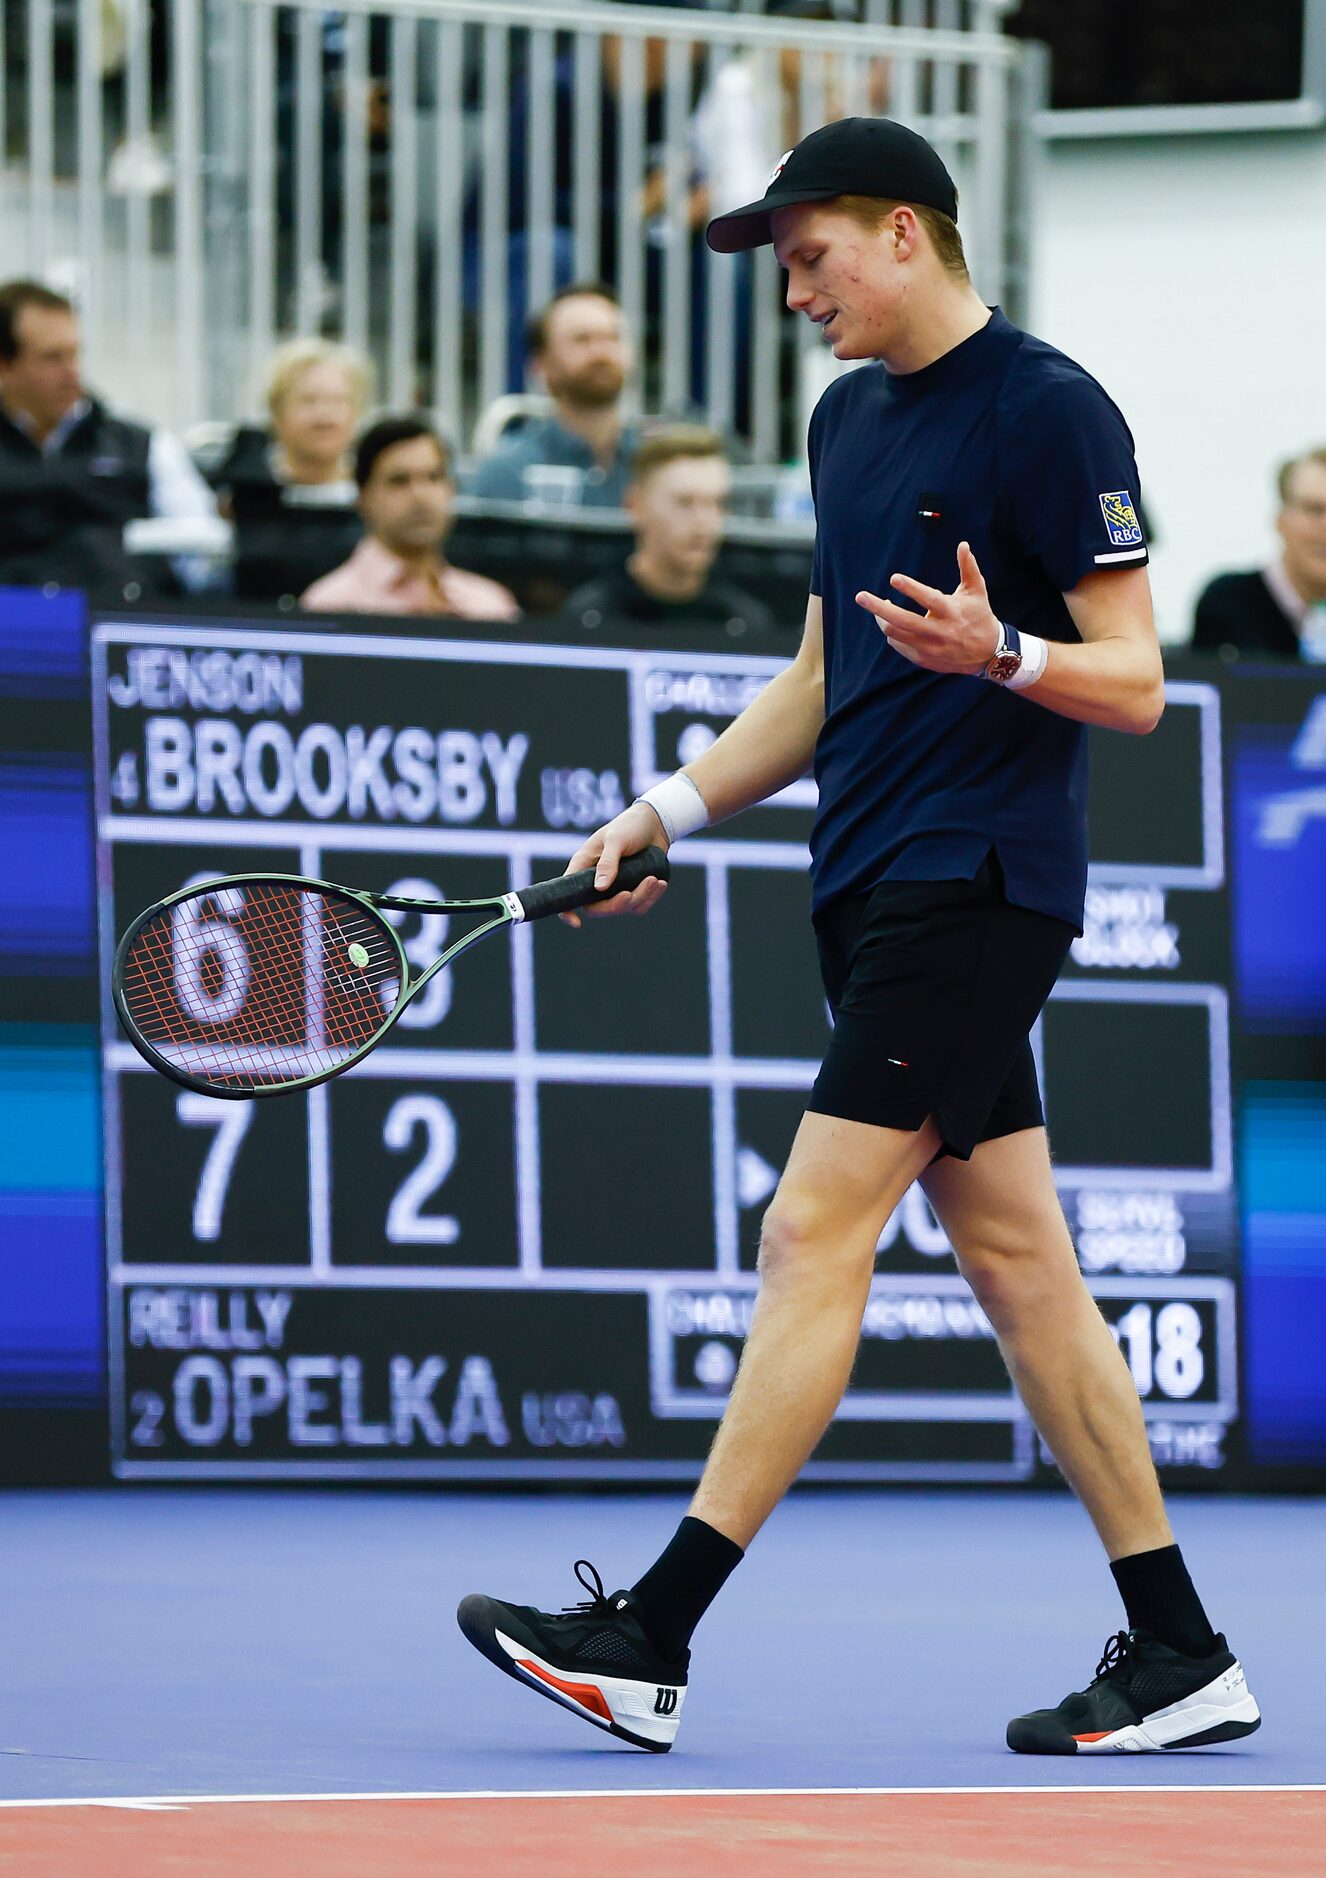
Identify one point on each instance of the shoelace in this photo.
(1118, 1657)
(598, 1604)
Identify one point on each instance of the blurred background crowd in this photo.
(378, 313)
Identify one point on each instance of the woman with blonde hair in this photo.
(289, 486)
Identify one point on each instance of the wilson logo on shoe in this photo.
(665, 1702)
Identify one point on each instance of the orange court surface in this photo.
(946, 1833)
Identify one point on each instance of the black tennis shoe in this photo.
(1145, 1697)
(593, 1657)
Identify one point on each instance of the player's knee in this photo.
(787, 1239)
(798, 1242)
(997, 1285)
(1012, 1278)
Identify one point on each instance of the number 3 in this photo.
(423, 949)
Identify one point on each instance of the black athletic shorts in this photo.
(934, 986)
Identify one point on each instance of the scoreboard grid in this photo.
(1218, 1176)
(519, 853)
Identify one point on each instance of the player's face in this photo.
(407, 500)
(1302, 527)
(679, 511)
(587, 355)
(316, 418)
(45, 378)
(843, 277)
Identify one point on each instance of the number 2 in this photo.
(231, 1121)
(406, 1225)
(149, 1408)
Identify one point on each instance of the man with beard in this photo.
(582, 452)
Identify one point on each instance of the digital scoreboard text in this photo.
(519, 1240)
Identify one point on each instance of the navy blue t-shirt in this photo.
(1007, 444)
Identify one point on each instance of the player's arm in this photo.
(768, 746)
(772, 742)
(1114, 678)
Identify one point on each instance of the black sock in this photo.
(1158, 1596)
(683, 1582)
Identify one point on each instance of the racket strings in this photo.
(261, 985)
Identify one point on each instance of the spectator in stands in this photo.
(71, 473)
(1279, 611)
(289, 488)
(677, 498)
(402, 470)
(579, 349)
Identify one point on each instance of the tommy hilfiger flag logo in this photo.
(1121, 523)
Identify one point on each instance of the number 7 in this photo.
(231, 1121)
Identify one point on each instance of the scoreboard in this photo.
(518, 1242)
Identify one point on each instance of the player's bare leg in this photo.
(817, 1256)
(1170, 1681)
(1001, 1211)
(621, 1660)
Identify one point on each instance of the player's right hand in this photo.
(635, 828)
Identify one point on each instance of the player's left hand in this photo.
(958, 632)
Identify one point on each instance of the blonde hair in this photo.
(873, 211)
(290, 361)
(669, 443)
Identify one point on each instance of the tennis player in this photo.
(979, 593)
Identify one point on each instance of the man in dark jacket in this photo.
(677, 498)
(1279, 611)
(71, 473)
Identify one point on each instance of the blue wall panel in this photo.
(51, 1245)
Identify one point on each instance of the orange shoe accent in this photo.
(583, 1692)
(1100, 1737)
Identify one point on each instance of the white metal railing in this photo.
(101, 180)
(416, 175)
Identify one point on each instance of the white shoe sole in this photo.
(1223, 1711)
(647, 1713)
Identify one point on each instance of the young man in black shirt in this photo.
(979, 594)
(677, 498)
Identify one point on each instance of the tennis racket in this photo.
(260, 984)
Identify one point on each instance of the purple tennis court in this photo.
(848, 1705)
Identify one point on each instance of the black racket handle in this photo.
(570, 891)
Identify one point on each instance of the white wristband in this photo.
(1035, 657)
(678, 804)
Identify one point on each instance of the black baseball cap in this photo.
(857, 156)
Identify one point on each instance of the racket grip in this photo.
(569, 891)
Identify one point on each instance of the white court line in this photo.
(149, 1801)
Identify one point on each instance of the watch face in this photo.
(1002, 668)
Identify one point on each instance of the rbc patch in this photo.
(1121, 523)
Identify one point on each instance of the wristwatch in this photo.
(1007, 660)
